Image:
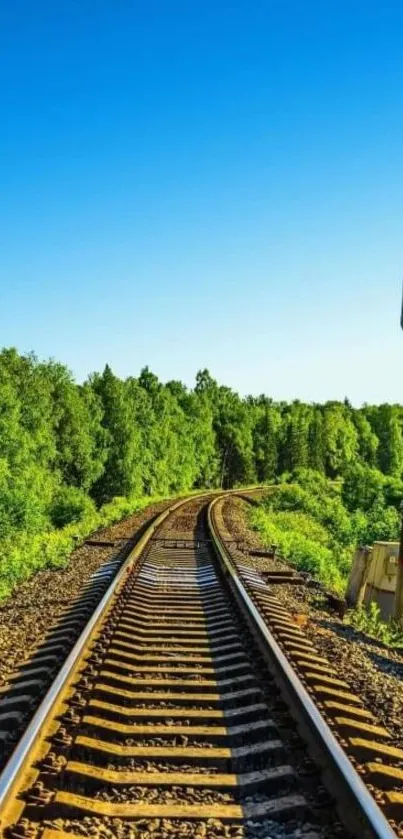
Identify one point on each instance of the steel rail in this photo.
(20, 756)
(18, 761)
(366, 816)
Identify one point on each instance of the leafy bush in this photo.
(69, 505)
(312, 527)
(372, 498)
(320, 501)
(24, 495)
(314, 482)
(379, 523)
(362, 488)
(304, 542)
(393, 491)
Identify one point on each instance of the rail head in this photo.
(365, 818)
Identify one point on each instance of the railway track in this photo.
(165, 720)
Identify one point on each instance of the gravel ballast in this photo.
(35, 606)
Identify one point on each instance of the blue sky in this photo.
(206, 184)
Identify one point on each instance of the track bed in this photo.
(169, 723)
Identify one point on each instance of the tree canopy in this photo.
(62, 443)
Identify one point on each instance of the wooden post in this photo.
(398, 602)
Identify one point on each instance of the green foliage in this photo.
(386, 422)
(315, 496)
(341, 438)
(77, 415)
(316, 442)
(368, 494)
(69, 505)
(363, 487)
(303, 542)
(379, 523)
(67, 450)
(368, 442)
(316, 531)
(367, 619)
(24, 554)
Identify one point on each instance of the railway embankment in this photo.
(373, 668)
(195, 701)
(169, 724)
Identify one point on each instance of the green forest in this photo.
(74, 457)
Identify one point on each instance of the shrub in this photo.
(368, 619)
(313, 528)
(304, 542)
(379, 523)
(362, 487)
(323, 505)
(70, 504)
(23, 554)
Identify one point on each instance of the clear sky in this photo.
(206, 184)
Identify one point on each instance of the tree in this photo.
(27, 446)
(316, 441)
(265, 439)
(340, 437)
(362, 487)
(388, 425)
(122, 472)
(295, 437)
(367, 440)
(77, 422)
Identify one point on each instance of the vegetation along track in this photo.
(166, 721)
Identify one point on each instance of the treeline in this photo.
(67, 448)
(77, 457)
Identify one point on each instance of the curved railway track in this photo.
(168, 718)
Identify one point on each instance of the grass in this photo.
(305, 543)
(24, 554)
(367, 619)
